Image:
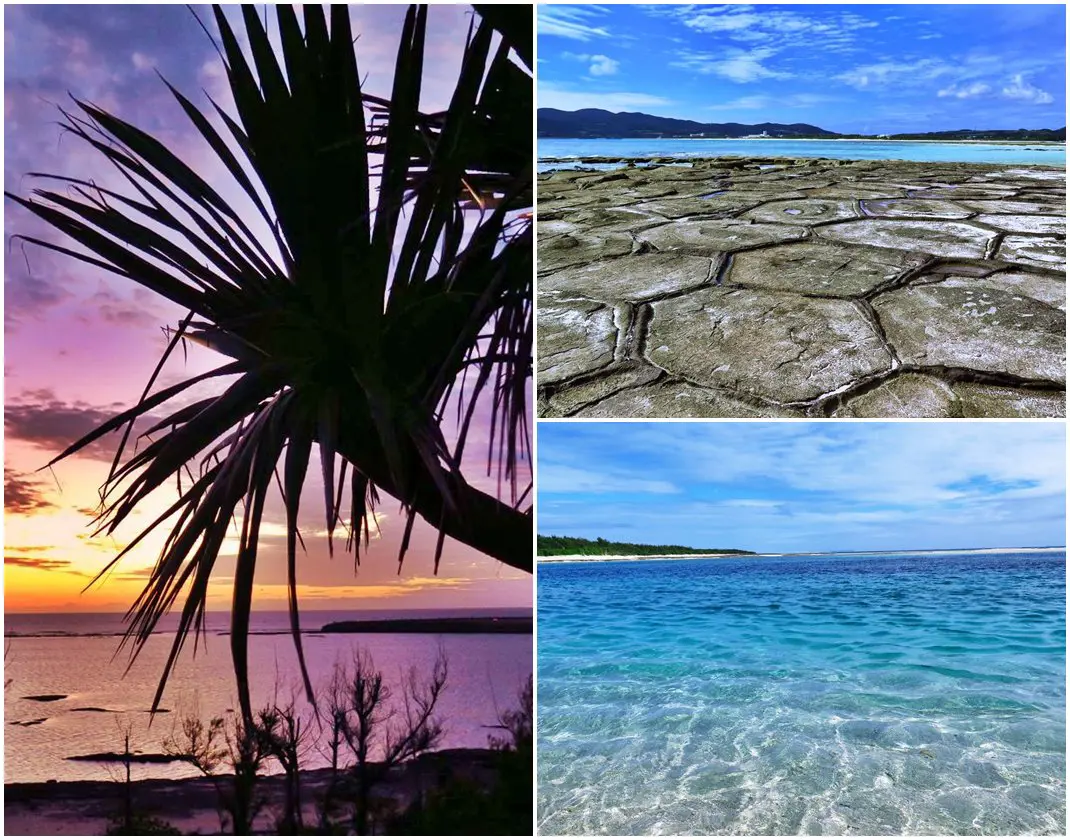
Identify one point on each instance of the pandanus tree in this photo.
(385, 309)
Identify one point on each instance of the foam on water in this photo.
(919, 694)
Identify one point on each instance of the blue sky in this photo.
(827, 486)
(874, 69)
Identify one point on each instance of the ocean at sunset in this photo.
(911, 150)
(873, 694)
(75, 655)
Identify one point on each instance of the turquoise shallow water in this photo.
(879, 694)
(839, 149)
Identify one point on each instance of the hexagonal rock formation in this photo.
(950, 324)
(914, 208)
(632, 279)
(1041, 251)
(740, 288)
(717, 236)
(781, 348)
(805, 212)
(948, 239)
(826, 269)
(578, 337)
(569, 249)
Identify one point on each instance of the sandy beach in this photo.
(580, 558)
(583, 558)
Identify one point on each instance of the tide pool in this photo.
(877, 694)
(914, 150)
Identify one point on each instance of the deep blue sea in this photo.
(1002, 153)
(878, 694)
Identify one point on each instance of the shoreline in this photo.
(548, 164)
(84, 807)
(1055, 143)
(770, 159)
(580, 558)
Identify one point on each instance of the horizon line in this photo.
(282, 609)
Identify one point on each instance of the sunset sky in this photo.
(80, 345)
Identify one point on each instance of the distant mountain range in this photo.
(594, 122)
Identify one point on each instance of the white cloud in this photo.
(798, 100)
(736, 65)
(600, 65)
(551, 96)
(971, 91)
(778, 28)
(722, 23)
(746, 103)
(142, 62)
(901, 463)
(885, 73)
(1019, 88)
(560, 478)
(571, 22)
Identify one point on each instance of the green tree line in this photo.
(550, 546)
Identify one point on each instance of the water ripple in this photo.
(820, 695)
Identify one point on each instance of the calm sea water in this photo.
(75, 655)
(839, 149)
(881, 694)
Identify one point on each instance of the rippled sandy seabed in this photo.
(920, 694)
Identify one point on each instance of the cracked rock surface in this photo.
(811, 288)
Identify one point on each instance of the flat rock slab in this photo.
(978, 400)
(599, 221)
(632, 279)
(906, 395)
(1005, 207)
(780, 347)
(707, 205)
(575, 338)
(954, 324)
(717, 236)
(914, 208)
(679, 399)
(814, 267)
(581, 394)
(1041, 251)
(737, 287)
(948, 239)
(1046, 288)
(1020, 223)
(804, 212)
(920, 395)
(570, 249)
